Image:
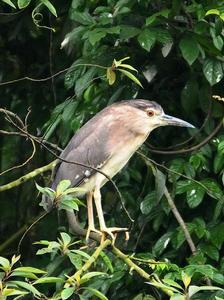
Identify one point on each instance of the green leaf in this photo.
(81, 253)
(4, 262)
(49, 280)
(163, 13)
(163, 286)
(178, 297)
(66, 293)
(23, 3)
(75, 260)
(193, 289)
(62, 186)
(24, 274)
(213, 12)
(171, 282)
(186, 279)
(50, 6)
(90, 275)
(210, 251)
(148, 203)
(96, 35)
(189, 49)
(147, 39)
(111, 76)
(45, 190)
(107, 261)
(83, 18)
(162, 243)
(217, 236)
(68, 204)
(128, 67)
(131, 76)
(213, 70)
(30, 269)
(128, 32)
(195, 195)
(66, 239)
(96, 293)
(218, 162)
(27, 286)
(9, 2)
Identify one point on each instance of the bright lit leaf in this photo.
(131, 76)
(50, 6)
(23, 3)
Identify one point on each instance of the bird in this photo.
(106, 143)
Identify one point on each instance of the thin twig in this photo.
(193, 148)
(28, 229)
(52, 76)
(24, 163)
(180, 220)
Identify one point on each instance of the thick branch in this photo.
(28, 176)
(90, 261)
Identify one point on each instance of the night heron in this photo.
(107, 142)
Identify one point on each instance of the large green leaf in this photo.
(189, 48)
(213, 70)
(148, 203)
(195, 195)
(147, 39)
(195, 289)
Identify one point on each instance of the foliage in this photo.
(177, 48)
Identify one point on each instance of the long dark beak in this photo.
(169, 120)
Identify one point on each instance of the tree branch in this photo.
(193, 148)
(180, 221)
(28, 176)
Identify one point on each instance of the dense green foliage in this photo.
(177, 48)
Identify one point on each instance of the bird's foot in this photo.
(112, 232)
(92, 229)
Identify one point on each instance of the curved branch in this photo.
(193, 148)
(24, 163)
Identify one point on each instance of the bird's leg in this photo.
(111, 231)
(91, 226)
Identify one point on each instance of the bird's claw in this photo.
(112, 232)
(92, 229)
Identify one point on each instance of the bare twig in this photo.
(24, 163)
(180, 221)
(52, 76)
(199, 130)
(193, 148)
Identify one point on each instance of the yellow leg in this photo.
(112, 231)
(91, 226)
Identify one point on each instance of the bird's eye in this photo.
(150, 113)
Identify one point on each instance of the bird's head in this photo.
(151, 115)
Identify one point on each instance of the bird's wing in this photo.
(86, 147)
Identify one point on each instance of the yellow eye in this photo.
(150, 113)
